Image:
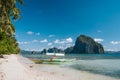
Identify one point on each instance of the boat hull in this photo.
(54, 61)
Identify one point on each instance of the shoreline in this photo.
(17, 67)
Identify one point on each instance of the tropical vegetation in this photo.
(8, 12)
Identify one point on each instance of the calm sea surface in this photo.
(104, 64)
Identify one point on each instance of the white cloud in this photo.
(115, 42)
(33, 49)
(44, 41)
(69, 40)
(38, 34)
(19, 42)
(57, 41)
(51, 35)
(99, 40)
(49, 44)
(30, 32)
(35, 41)
(69, 45)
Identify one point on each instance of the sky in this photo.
(57, 23)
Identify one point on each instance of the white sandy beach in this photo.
(15, 67)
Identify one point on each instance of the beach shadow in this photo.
(2, 76)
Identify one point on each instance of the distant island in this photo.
(84, 44)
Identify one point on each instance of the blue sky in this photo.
(48, 23)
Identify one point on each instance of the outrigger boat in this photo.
(53, 59)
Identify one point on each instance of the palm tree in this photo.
(9, 10)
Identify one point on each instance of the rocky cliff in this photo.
(85, 44)
(52, 50)
(68, 50)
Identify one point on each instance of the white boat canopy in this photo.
(56, 54)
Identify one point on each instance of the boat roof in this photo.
(56, 54)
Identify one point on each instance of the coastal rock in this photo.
(85, 44)
(69, 49)
(43, 51)
(54, 50)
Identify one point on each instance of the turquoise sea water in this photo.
(104, 64)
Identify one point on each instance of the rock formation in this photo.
(85, 44)
(68, 50)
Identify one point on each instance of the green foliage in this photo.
(8, 11)
(8, 44)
